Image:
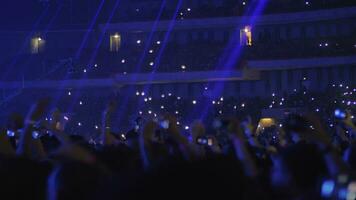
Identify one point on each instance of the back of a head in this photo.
(305, 163)
(23, 179)
(219, 177)
(74, 180)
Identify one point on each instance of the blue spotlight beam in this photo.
(162, 49)
(123, 104)
(25, 43)
(91, 26)
(79, 51)
(232, 54)
(93, 56)
(45, 33)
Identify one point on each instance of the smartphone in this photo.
(205, 141)
(164, 124)
(35, 134)
(327, 188)
(339, 114)
(10, 133)
(137, 127)
(123, 137)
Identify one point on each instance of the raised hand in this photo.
(107, 137)
(149, 130)
(5, 146)
(27, 146)
(37, 110)
(318, 135)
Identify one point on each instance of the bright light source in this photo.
(151, 63)
(186, 127)
(188, 9)
(158, 42)
(149, 112)
(116, 36)
(137, 93)
(178, 98)
(194, 102)
(162, 107)
(163, 95)
(183, 67)
(123, 61)
(79, 124)
(85, 71)
(80, 103)
(244, 3)
(142, 93)
(145, 99)
(138, 41)
(96, 127)
(39, 39)
(243, 105)
(96, 65)
(169, 94)
(69, 93)
(151, 51)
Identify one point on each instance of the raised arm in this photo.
(5, 145)
(107, 137)
(319, 135)
(27, 146)
(241, 150)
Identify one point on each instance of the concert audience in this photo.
(298, 157)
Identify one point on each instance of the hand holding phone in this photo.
(205, 141)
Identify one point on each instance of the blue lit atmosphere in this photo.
(161, 99)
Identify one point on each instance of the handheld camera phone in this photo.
(205, 141)
(164, 124)
(339, 114)
(35, 134)
(10, 133)
(340, 188)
